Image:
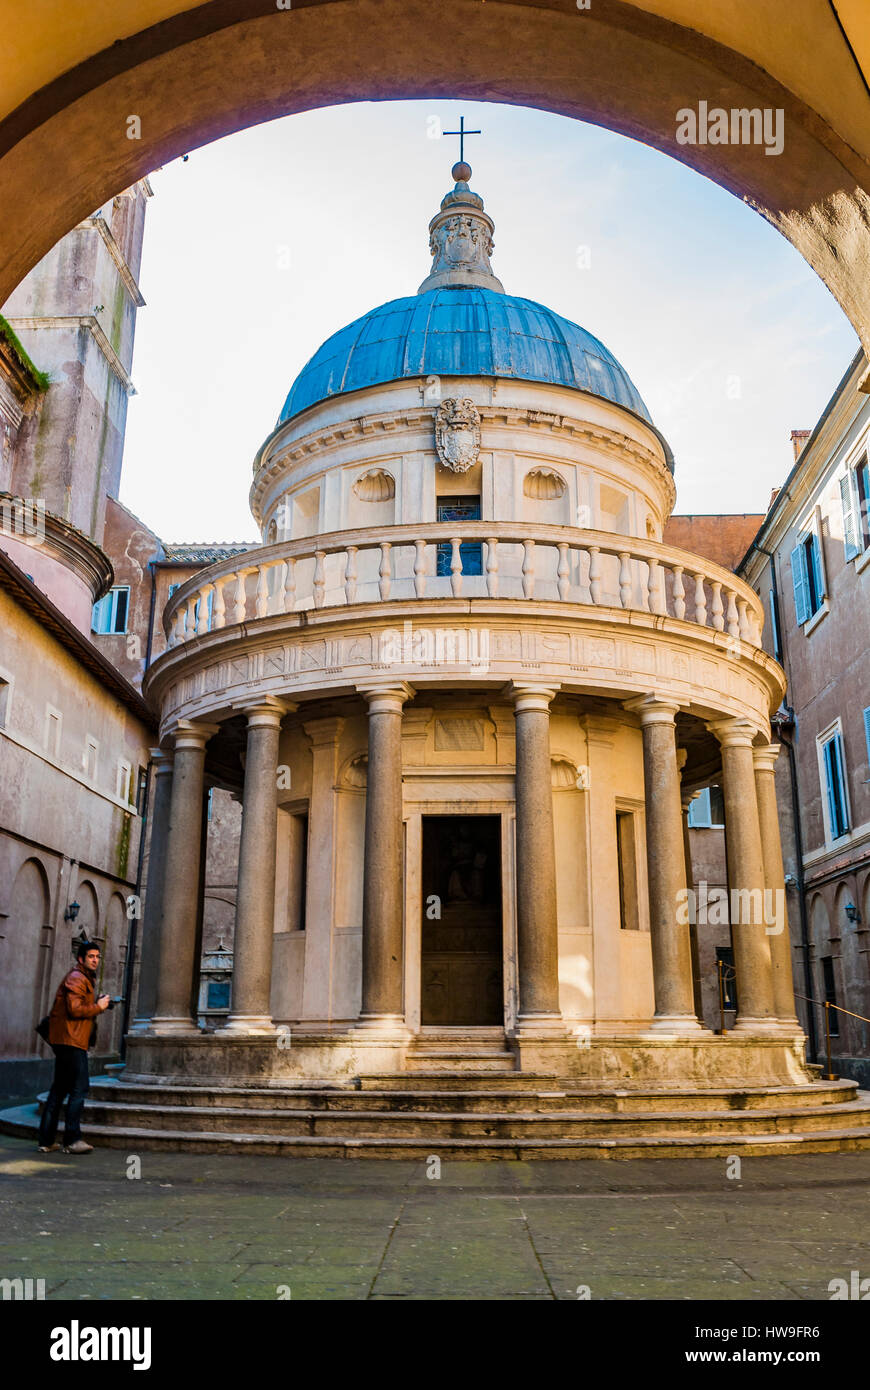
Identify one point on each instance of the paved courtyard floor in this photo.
(227, 1227)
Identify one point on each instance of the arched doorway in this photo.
(21, 961)
(98, 104)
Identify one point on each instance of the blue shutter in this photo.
(801, 584)
(818, 576)
(850, 517)
(774, 626)
(867, 730)
(840, 763)
(828, 754)
(101, 613)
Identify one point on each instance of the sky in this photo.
(261, 245)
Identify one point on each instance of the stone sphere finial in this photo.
(461, 172)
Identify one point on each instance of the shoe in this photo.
(79, 1147)
(49, 1148)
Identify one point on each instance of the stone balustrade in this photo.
(527, 561)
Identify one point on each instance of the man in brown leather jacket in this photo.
(71, 1023)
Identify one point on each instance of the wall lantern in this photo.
(71, 913)
(852, 913)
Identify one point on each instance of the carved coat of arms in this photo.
(457, 433)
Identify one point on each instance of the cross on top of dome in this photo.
(462, 171)
(460, 234)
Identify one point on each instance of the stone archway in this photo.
(198, 73)
(21, 963)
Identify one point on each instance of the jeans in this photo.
(70, 1079)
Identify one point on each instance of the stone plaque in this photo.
(459, 736)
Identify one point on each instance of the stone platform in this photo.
(631, 1058)
(478, 1115)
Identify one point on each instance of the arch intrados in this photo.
(217, 69)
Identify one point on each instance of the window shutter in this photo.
(819, 555)
(774, 626)
(840, 764)
(850, 516)
(818, 568)
(828, 755)
(801, 584)
(867, 730)
(100, 614)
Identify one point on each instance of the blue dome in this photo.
(461, 331)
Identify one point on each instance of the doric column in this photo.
(152, 919)
(764, 763)
(255, 902)
(323, 850)
(666, 867)
(180, 894)
(686, 799)
(746, 882)
(382, 935)
(537, 923)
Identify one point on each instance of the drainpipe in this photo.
(152, 567)
(802, 896)
(133, 928)
(789, 723)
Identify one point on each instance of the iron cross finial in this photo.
(462, 132)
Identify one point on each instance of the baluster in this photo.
(202, 615)
(290, 585)
(652, 585)
(319, 577)
(732, 622)
(625, 578)
(261, 607)
(455, 567)
(240, 598)
(528, 569)
(276, 597)
(419, 568)
(190, 618)
(595, 574)
(350, 575)
(385, 570)
(679, 593)
(564, 570)
(177, 631)
(700, 601)
(219, 611)
(744, 621)
(716, 608)
(492, 567)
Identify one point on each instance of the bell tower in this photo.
(75, 315)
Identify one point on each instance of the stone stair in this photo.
(456, 1050)
(473, 1114)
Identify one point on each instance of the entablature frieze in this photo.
(700, 670)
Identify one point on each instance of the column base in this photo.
(165, 1024)
(540, 1026)
(757, 1025)
(248, 1023)
(387, 1025)
(676, 1023)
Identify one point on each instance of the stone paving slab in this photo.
(236, 1227)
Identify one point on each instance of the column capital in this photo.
(162, 760)
(764, 758)
(733, 733)
(190, 734)
(686, 798)
(531, 695)
(652, 709)
(267, 712)
(325, 731)
(385, 697)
